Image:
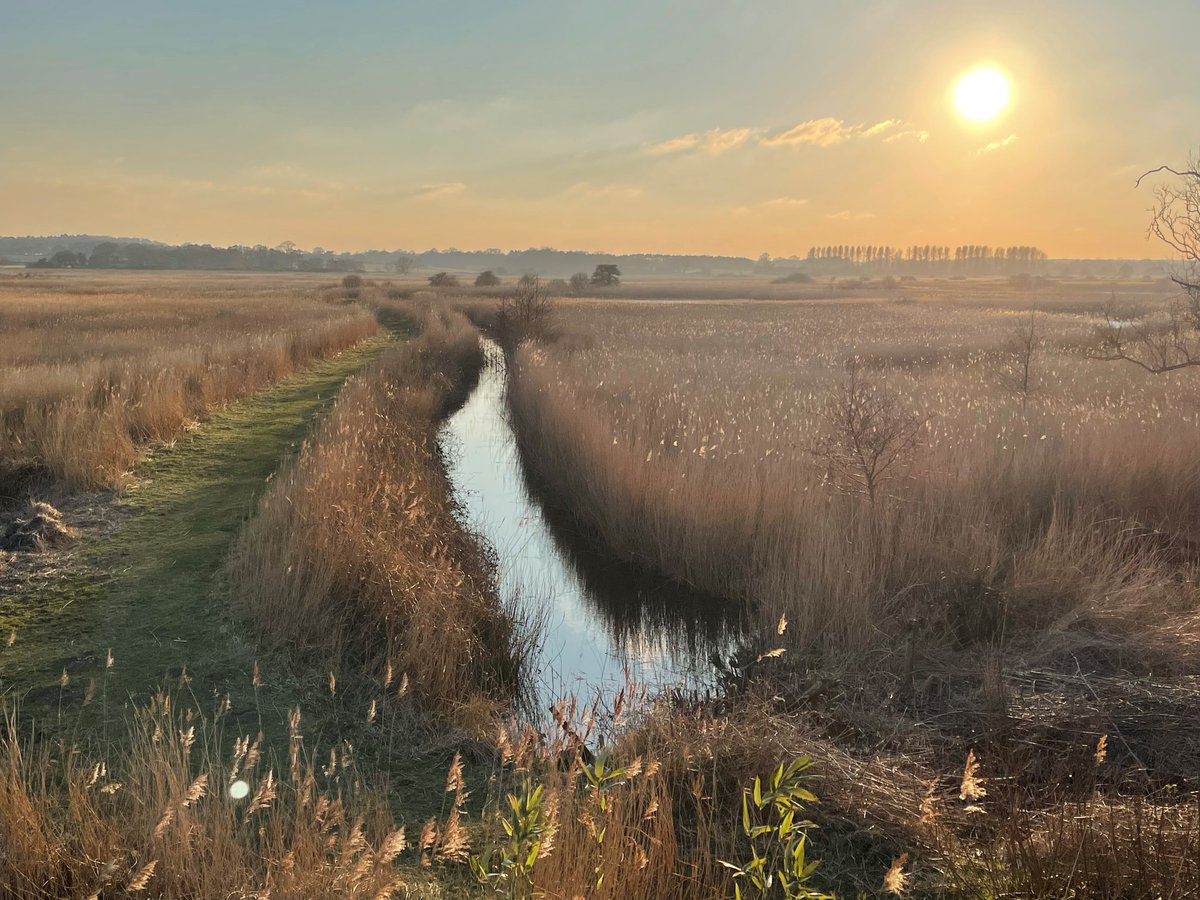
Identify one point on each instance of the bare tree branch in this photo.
(1185, 172)
(1159, 344)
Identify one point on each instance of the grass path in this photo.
(148, 589)
(152, 590)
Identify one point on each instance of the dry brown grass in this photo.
(685, 439)
(179, 812)
(356, 552)
(1011, 589)
(95, 371)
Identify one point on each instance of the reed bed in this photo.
(1020, 586)
(1061, 519)
(356, 555)
(94, 373)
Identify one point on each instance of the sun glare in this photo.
(981, 94)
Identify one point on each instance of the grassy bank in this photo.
(356, 558)
(146, 588)
(125, 792)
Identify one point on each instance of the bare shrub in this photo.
(527, 314)
(870, 436)
(1018, 359)
(443, 280)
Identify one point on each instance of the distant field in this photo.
(94, 368)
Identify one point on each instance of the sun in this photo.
(981, 94)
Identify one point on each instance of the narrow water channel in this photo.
(601, 620)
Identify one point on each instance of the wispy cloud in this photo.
(823, 132)
(774, 205)
(604, 191)
(714, 141)
(828, 131)
(880, 127)
(444, 189)
(918, 134)
(846, 215)
(997, 145)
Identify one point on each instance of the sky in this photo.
(625, 126)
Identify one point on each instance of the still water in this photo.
(601, 619)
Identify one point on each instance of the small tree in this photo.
(1018, 359)
(870, 436)
(527, 315)
(606, 275)
(528, 280)
(352, 282)
(443, 280)
(579, 282)
(403, 264)
(487, 279)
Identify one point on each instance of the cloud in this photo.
(779, 203)
(823, 132)
(675, 145)
(846, 215)
(714, 141)
(828, 131)
(820, 132)
(920, 134)
(604, 191)
(444, 189)
(880, 127)
(997, 145)
(720, 141)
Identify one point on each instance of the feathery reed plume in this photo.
(971, 787)
(895, 880)
(141, 880)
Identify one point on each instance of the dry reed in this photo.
(356, 551)
(178, 813)
(93, 374)
(1059, 520)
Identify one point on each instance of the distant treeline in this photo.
(111, 255)
(78, 251)
(932, 258)
(84, 251)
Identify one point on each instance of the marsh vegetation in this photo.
(963, 543)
